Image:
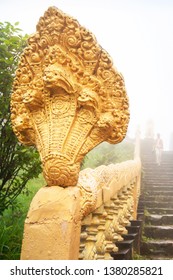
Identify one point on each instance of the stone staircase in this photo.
(157, 203)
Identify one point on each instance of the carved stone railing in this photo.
(118, 191)
(67, 98)
(116, 204)
(86, 221)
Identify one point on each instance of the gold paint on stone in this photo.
(67, 97)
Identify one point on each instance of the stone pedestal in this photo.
(52, 227)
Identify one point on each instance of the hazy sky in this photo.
(138, 34)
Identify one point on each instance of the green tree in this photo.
(18, 164)
(105, 154)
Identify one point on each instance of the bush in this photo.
(106, 153)
(12, 221)
(17, 163)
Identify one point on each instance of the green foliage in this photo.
(11, 46)
(12, 221)
(106, 153)
(17, 163)
(139, 257)
(11, 231)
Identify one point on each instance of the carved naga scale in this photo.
(67, 97)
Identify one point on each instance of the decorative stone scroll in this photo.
(67, 97)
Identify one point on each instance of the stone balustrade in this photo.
(86, 221)
(118, 188)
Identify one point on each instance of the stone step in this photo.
(157, 204)
(157, 172)
(125, 244)
(153, 164)
(158, 257)
(157, 198)
(159, 190)
(160, 183)
(159, 232)
(140, 213)
(153, 160)
(154, 172)
(156, 169)
(160, 173)
(150, 193)
(136, 240)
(151, 157)
(157, 177)
(156, 195)
(160, 211)
(124, 254)
(156, 219)
(133, 229)
(163, 184)
(158, 180)
(162, 248)
(156, 187)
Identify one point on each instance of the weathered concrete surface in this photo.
(52, 227)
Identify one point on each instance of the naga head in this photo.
(67, 97)
(55, 76)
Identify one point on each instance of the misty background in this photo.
(139, 37)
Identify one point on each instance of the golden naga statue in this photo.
(67, 97)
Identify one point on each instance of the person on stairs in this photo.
(158, 149)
